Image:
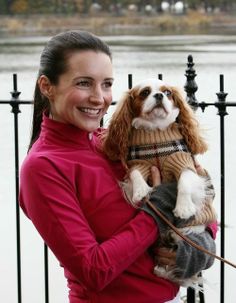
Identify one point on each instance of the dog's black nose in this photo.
(158, 97)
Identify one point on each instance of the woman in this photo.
(69, 189)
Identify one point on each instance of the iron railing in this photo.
(190, 88)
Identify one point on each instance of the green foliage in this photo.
(82, 6)
(5, 7)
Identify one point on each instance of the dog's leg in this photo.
(191, 194)
(140, 187)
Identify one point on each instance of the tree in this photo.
(5, 6)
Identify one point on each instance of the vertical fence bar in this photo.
(201, 293)
(46, 278)
(222, 113)
(130, 81)
(190, 87)
(190, 295)
(15, 110)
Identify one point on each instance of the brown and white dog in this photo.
(153, 125)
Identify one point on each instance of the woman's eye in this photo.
(167, 92)
(144, 93)
(83, 83)
(108, 84)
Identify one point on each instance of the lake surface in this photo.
(142, 57)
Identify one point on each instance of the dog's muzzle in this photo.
(159, 98)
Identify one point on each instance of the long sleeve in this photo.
(50, 200)
(190, 260)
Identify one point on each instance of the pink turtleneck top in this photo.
(71, 193)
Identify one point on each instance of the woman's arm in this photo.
(50, 201)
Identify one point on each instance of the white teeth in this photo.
(90, 111)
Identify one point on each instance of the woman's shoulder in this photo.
(35, 161)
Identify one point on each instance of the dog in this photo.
(153, 125)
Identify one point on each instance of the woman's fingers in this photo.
(156, 176)
(200, 170)
(165, 256)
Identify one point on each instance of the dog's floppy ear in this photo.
(115, 142)
(189, 125)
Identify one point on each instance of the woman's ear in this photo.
(45, 86)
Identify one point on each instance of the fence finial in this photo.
(190, 86)
(221, 98)
(15, 96)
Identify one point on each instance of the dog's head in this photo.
(151, 104)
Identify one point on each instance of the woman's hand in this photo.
(200, 170)
(155, 176)
(165, 256)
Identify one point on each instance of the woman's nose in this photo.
(97, 95)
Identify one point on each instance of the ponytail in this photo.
(41, 105)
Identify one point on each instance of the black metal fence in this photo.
(190, 88)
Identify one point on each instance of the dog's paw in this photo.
(140, 187)
(184, 208)
(127, 189)
(140, 192)
(199, 193)
(160, 271)
(185, 213)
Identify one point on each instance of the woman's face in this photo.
(83, 94)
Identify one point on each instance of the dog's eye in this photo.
(144, 93)
(167, 92)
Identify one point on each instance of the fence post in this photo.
(222, 113)
(130, 81)
(15, 110)
(191, 87)
(46, 274)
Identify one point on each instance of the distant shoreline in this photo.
(192, 23)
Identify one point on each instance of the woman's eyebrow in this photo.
(91, 78)
(111, 79)
(83, 77)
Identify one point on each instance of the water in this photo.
(143, 57)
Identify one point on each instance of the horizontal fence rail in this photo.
(190, 88)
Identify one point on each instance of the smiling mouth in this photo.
(90, 111)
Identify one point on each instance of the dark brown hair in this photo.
(53, 63)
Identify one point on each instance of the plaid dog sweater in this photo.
(167, 150)
(164, 148)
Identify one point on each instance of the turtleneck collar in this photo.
(64, 134)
